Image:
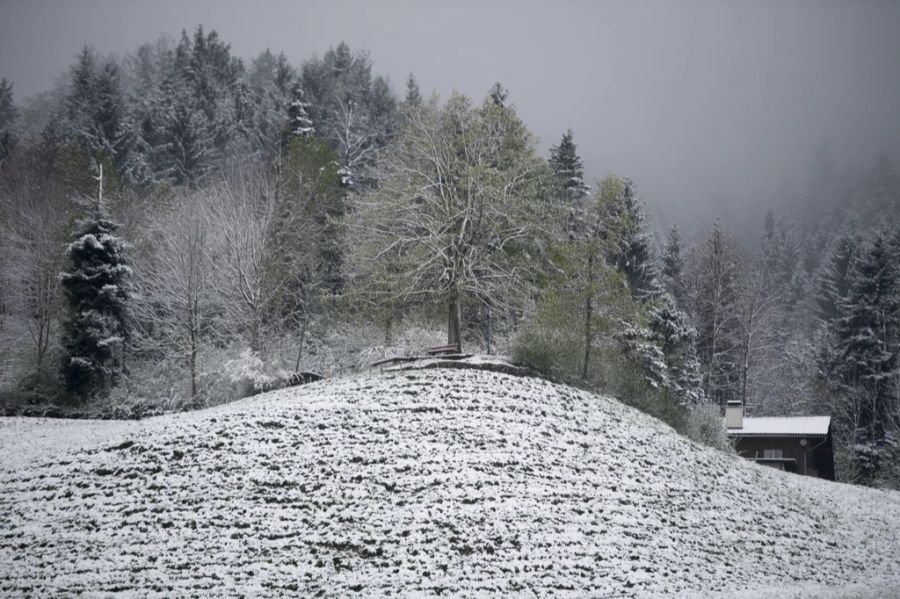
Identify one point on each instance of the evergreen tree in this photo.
(8, 114)
(96, 290)
(834, 280)
(498, 94)
(263, 104)
(864, 366)
(569, 169)
(672, 274)
(307, 238)
(299, 122)
(670, 354)
(624, 222)
(95, 116)
(413, 95)
(771, 248)
(383, 113)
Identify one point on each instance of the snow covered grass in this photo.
(454, 482)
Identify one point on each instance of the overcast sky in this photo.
(711, 104)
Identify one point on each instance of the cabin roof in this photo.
(783, 426)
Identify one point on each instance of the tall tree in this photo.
(339, 87)
(672, 272)
(715, 298)
(96, 290)
(269, 88)
(835, 278)
(454, 208)
(174, 305)
(8, 114)
(299, 122)
(413, 96)
(95, 117)
(631, 253)
(863, 367)
(307, 241)
(569, 169)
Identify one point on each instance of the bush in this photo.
(550, 345)
(706, 426)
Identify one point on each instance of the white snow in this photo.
(788, 426)
(418, 483)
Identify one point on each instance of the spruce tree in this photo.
(672, 274)
(413, 95)
(864, 364)
(8, 115)
(569, 169)
(629, 251)
(834, 280)
(299, 122)
(667, 349)
(96, 291)
(498, 94)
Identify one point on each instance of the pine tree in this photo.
(672, 274)
(299, 122)
(96, 290)
(8, 116)
(834, 280)
(569, 169)
(413, 95)
(771, 248)
(498, 94)
(864, 366)
(95, 115)
(669, 354)
(630, 251)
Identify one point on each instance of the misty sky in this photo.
(710, 105)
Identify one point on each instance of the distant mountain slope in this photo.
(422, 483)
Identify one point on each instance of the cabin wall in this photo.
(754, 447)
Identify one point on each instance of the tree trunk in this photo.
(453, 318)
(588, 318)
(193, 359)
(389, 326)
(300, 346)
(489, 332)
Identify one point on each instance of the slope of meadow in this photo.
(422, 483)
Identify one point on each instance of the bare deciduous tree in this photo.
(456, 202)
(175, 301)
(242, 212)
(33, 252)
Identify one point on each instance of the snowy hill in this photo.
(423, 483)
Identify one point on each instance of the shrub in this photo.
(706, 426)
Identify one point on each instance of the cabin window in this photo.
(772, 454)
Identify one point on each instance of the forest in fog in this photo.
(181, 228)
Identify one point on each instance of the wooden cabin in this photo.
(800, 444)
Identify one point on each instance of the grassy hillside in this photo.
(423, 483)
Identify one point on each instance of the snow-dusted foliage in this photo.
(667, 349)
(298, 113)
(861, 362)
(8, 115)
(354, 112)
(96, 285)
(569, 170)
(451, 220)
(714, 281)
(418, 483)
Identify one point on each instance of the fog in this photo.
(713, 108)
